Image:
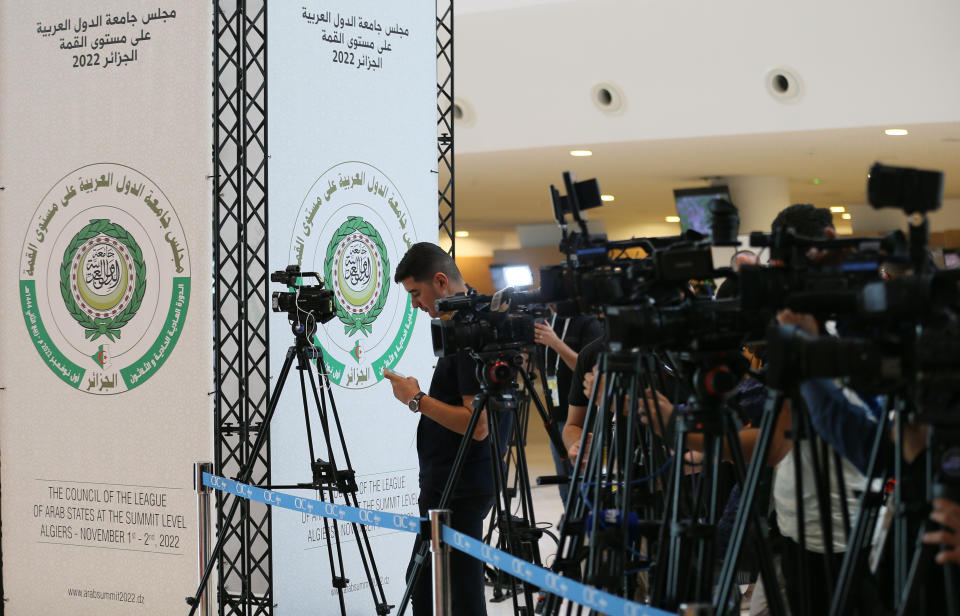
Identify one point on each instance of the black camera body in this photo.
(478, 328)
(304, 302)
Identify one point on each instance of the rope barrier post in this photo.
(203, 526)
(441, 562)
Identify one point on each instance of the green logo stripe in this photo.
(395, 351)
(335, 369)
(68, 371)
(141, 369)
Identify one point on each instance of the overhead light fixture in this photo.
(896, 132)
(672, 219)
(462, 234)
(606, 197)
(846, 216)
(837, 209)
(581, 153)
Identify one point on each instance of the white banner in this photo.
(105, 346)
(353, 183)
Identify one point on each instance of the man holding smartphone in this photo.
(428, 273)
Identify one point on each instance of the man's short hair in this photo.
(423, 260)
(806, 220)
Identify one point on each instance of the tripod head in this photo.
(497, 369)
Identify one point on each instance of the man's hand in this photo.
(574, 450)
(666, 409)
(946, 512)
(544, 334)
(404, 388)
(805, 321)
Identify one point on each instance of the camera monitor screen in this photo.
(515, 276)
(693, 206)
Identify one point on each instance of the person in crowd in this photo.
(428, 273)
(562, 340)
(830, 408)
(578, 398)
(743, 257)
(946, 512)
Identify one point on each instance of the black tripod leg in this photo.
(571, 531)
(868, 508)
(243, 477)
(748, 511)
(767, 567)
(803, 609)
(348, 489)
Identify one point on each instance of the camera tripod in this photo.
(497, 373)
(613, 497)
(328, 479)
(523, 526)
(821, 459)
(911, 563)
(691, 516)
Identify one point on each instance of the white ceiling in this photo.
(694, 76)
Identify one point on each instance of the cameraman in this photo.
(428, 273)
(563, 339)
(831, 409)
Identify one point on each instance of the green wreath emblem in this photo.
(93, 328)
(358, 322)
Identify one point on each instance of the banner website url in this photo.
(122, 597)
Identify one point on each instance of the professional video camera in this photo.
(827, 277)
(483, 323)
(596, 273)
(648, 302)
(304, 303)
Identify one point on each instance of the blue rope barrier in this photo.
(344, 513)
(544, 579)
(547, 580)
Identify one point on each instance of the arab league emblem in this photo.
(353, 226)
(105, 278)
(355, 264)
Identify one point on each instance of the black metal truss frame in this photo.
(241, 326)
(240, 251)
(445, 120)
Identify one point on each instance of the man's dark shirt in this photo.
(453, 378)
(580, 331)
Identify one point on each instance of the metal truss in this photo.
(445, 119)
(241, 330)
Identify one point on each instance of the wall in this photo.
(476, 271)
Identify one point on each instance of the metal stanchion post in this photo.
(441, 562)
(203, 526)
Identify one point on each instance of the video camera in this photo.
(484, 323)
(304, 303)
(596, 273)
(844, 275)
